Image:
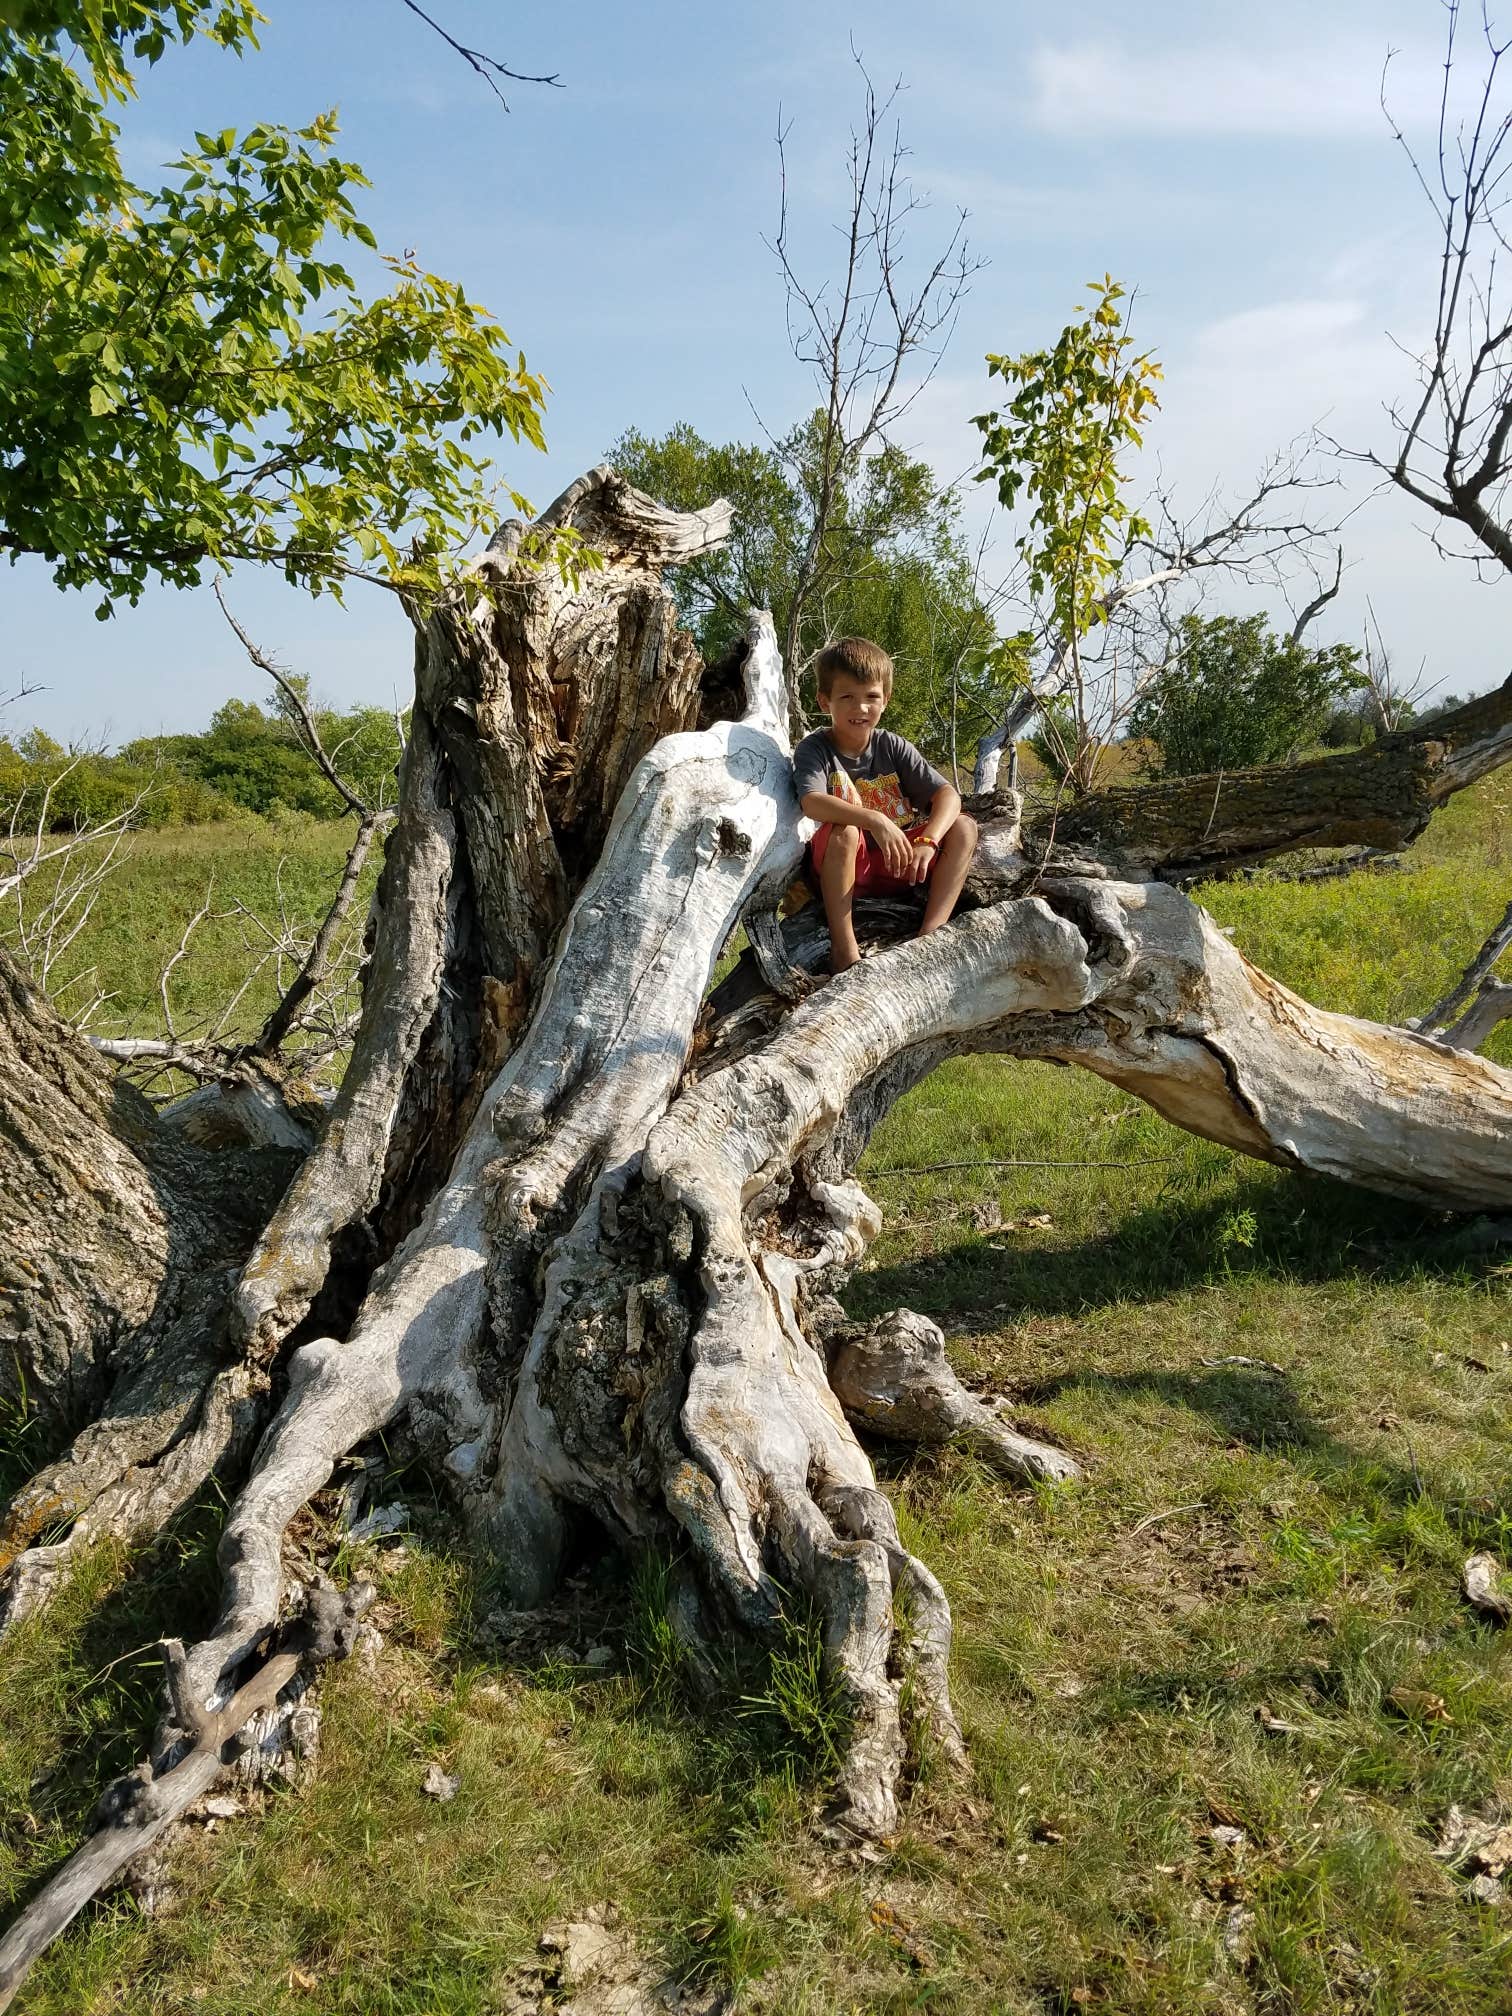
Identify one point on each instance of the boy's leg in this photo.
(837, 884)
(952, 864)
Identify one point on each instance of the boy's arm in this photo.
(944, 810)
(926, 786)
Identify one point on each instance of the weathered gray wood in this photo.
(138, 1809)
(590, 1223)
(1490, 1008)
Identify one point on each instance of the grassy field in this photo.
(257, 879)
(1219, 1700)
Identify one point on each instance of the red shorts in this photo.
(873, 876)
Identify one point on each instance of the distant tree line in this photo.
(1230, 691)
(247, 760)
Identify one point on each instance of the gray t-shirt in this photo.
(889, 775)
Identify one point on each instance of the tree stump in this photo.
(577, 1222)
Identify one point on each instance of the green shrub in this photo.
(1234, 694)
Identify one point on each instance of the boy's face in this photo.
(854, 707)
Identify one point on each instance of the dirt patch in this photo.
(591, 1966)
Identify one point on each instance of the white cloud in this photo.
(1054, 208)
(1232, 90)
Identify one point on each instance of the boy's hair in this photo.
(853, 658)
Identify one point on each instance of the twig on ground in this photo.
(1417, 1476)
(137, 1808)
(1154, 1518)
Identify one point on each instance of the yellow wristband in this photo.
(924, 840)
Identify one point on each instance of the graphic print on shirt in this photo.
(878, 794)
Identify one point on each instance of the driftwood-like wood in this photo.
(137, 1809)
(575, 1224)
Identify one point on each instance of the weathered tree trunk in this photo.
(120, 1246)
(1381, 796)
(579, 1227)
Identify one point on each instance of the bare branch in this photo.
(858, 334)
(1261, 539)
(1475, 975)
(1394, 699)
(1312, 610)
(489, 68)
(305, 720)
(183, 946)
(1452, 452)
(286, 1015)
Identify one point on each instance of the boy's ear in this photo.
(825, 702)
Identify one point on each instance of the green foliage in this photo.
(722, 1941)
(257, 760)
(245, 760)
(1075, 409)
(1233, 693)
(65, 791)
(190, 377)
(757, 564)
(894, 565)
(651, 1639)
(800, 1714)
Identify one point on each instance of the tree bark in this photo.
(120, 1244)
(1181, 828)
(578, 1224)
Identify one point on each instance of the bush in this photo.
(68, 790)
(1234, 694)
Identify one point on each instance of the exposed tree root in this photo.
(893, 1378)
(124, 1477)
(579, 1229)
(136, 1810)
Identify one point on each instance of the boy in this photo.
(888, 819)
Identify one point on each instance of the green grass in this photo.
(274, 869)
(1248, 1540)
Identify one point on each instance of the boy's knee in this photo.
(968, 829)
(844, 840)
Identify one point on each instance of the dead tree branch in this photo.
(489, 68)
(371, 821)
(1476, 1021)
(1454, 442)
(1312, 609)
(859, 332)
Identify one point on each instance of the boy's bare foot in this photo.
(843, 957)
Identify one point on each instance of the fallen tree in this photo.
(576, 1223)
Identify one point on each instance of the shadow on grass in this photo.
(90, 1698)
(1271, 1225)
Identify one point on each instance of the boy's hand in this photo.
(919, 859)
(897, 848)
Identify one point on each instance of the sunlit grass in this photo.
(1267, 1543)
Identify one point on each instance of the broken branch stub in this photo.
(575, 1226)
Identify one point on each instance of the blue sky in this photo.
(1232, 163)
